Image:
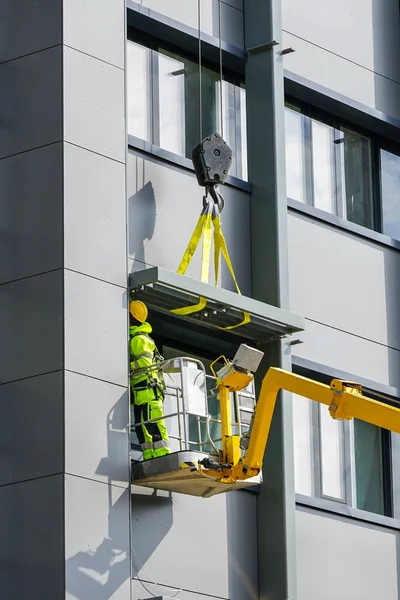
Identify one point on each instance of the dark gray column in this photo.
(266, 155)
(64, 469)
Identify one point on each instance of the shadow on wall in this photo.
(98, 574)
(386, 50)
(142, 220)
(152, 519)
(241, 515)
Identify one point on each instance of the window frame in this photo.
(391, 505)
(233, 72)
(378, 143)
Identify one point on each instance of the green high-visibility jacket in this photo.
(142, 350)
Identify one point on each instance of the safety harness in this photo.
(150, 382)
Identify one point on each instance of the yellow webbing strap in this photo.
(209, 216)
(204, 223)
(220, 246)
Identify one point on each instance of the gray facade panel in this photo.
(232, 29)
(94, 104)
(341, 558)
(31, 101)
(31, 326)
(369, 30)
(31, 540)
(97, 541)
(96, 439)
(31, 428)
(321, 343)
(164, 206)
(18, 35)
(180, 539)
(96, 328)
(145, 590)
(96, 28)
(320, 292)
(94, 189)
(31, 213)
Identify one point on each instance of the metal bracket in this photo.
(287, 51)
(262, 47)
(340, 389)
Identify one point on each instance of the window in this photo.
(329, 167)
(390, 190)
(173, 103)
(341, 461)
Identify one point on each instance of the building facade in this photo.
(102, 103)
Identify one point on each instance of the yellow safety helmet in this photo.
(138, 310)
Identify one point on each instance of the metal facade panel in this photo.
(232, 26)
(178, 538)
(94, 99)
(143, 590)
(96, 438)
(359, 561)
(31, 101)
(96, 27)
(342, 76)
(31, 326)
(31, 426)
(95, 210)
(17, 35)
(164, 206)
(96, 341)
(31, 541)
(31, 213)
(346, 352)
(184, 11)
(360, 296)
(97, 541)
(369, 30)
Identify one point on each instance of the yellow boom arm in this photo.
(343, 398)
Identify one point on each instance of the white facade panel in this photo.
(364, 32)
(96, 439)
(95, 328)
(345, 282)
(342, 76)
(184, 11)
(94, 215)
(164, 204)
(350, 353)
(97, 28)
(341, 558)
(94, 99)
(97, 541)
(202, 546)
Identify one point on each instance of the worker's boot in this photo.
(148, 454)
(160, 449)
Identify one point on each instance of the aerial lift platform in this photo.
(237, 463)
(212, 454)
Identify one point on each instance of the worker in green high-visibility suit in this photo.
(147, 389)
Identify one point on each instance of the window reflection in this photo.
(390, 178)
(174, 105)
(329, 168)
(338, 460)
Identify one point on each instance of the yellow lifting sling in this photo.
(209, 217)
